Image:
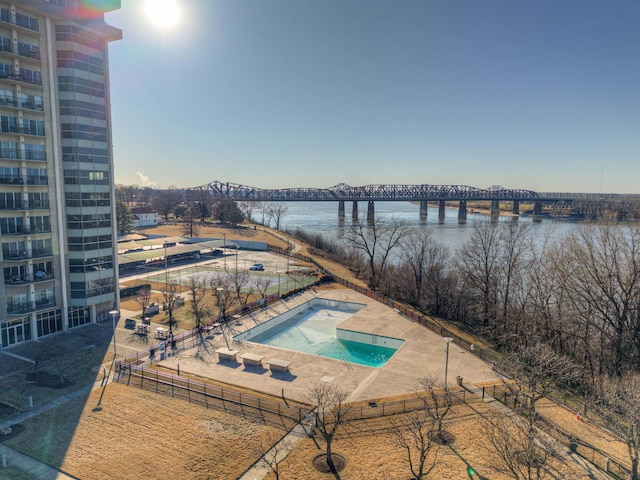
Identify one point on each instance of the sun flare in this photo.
(162, 13)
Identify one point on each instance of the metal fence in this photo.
(594, 455)
(209, 395)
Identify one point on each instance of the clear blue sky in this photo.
(541, 95)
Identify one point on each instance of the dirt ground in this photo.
(136, 434)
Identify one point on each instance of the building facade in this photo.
(144, 217)
(57, 207)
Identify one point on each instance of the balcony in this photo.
(11, 74)
(36, 277)
(28, 307)
(28, 51)
(22, 230)
(37, 180)
(23, 130)
(11, 180)
(17, 154)
(7, 101)
(24, 205)
(26, 255)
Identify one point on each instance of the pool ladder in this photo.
(347, 364)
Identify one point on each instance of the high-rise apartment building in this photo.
(57, 207)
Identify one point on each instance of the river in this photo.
(322, 217)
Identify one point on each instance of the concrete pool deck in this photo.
(422, 354)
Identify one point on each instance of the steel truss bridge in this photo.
(388, 192)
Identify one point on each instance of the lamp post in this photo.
(446, 362)
(224, 248)
(114, 314)
(278, 283)
(219, 292)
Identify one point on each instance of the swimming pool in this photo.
(313, 328)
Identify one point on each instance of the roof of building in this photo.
(139, 210)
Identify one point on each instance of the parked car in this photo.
(257, 266)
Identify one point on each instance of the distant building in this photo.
(57, 211)
(144, 217)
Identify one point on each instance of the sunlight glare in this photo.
(162, 13)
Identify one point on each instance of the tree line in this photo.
(570, 303)
(192, 208)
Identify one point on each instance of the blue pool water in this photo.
(314, 331)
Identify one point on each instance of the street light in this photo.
(219, 291)
(446, 363)
(278, 284)
(114, 314)
(224, 247)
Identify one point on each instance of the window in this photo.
(14, 250)
(12, 226)
(41, 247)
(49, 322)
(9, 150)
(34, 152)
(78, 316)
(15, 331)
(27, 22)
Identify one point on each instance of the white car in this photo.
(257, 266)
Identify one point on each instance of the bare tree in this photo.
(413, 434)
(516, 449)
(166, 200)
(247, 208)
(143, 298)
(479, 263)
(262, 285)
(271, 451)
(170, 295)
(222, 286)
(437, 400)
(275, 211)
(425, 260)
(199, 307)
(190, 215)
(535, 371)
(602, 271)
(619, 402)
(330, 413)
(241, 283)
(376, 240)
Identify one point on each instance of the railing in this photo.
(25, 230)
(25, 104)
(11, 180)
(207, 394)
(24, 255)
(32, 26)
(593, 454)
(24, 205)
(27, 279)
(28, 307)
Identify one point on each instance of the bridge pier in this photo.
(537, 211)
(441, 207)
(424, 205)
(341, 210)
(371, 214)
(516, 207)
(462, 212)
(495, 210)
(354, 211)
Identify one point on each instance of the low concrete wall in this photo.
(368, 338)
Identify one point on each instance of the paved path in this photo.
(284, 447)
